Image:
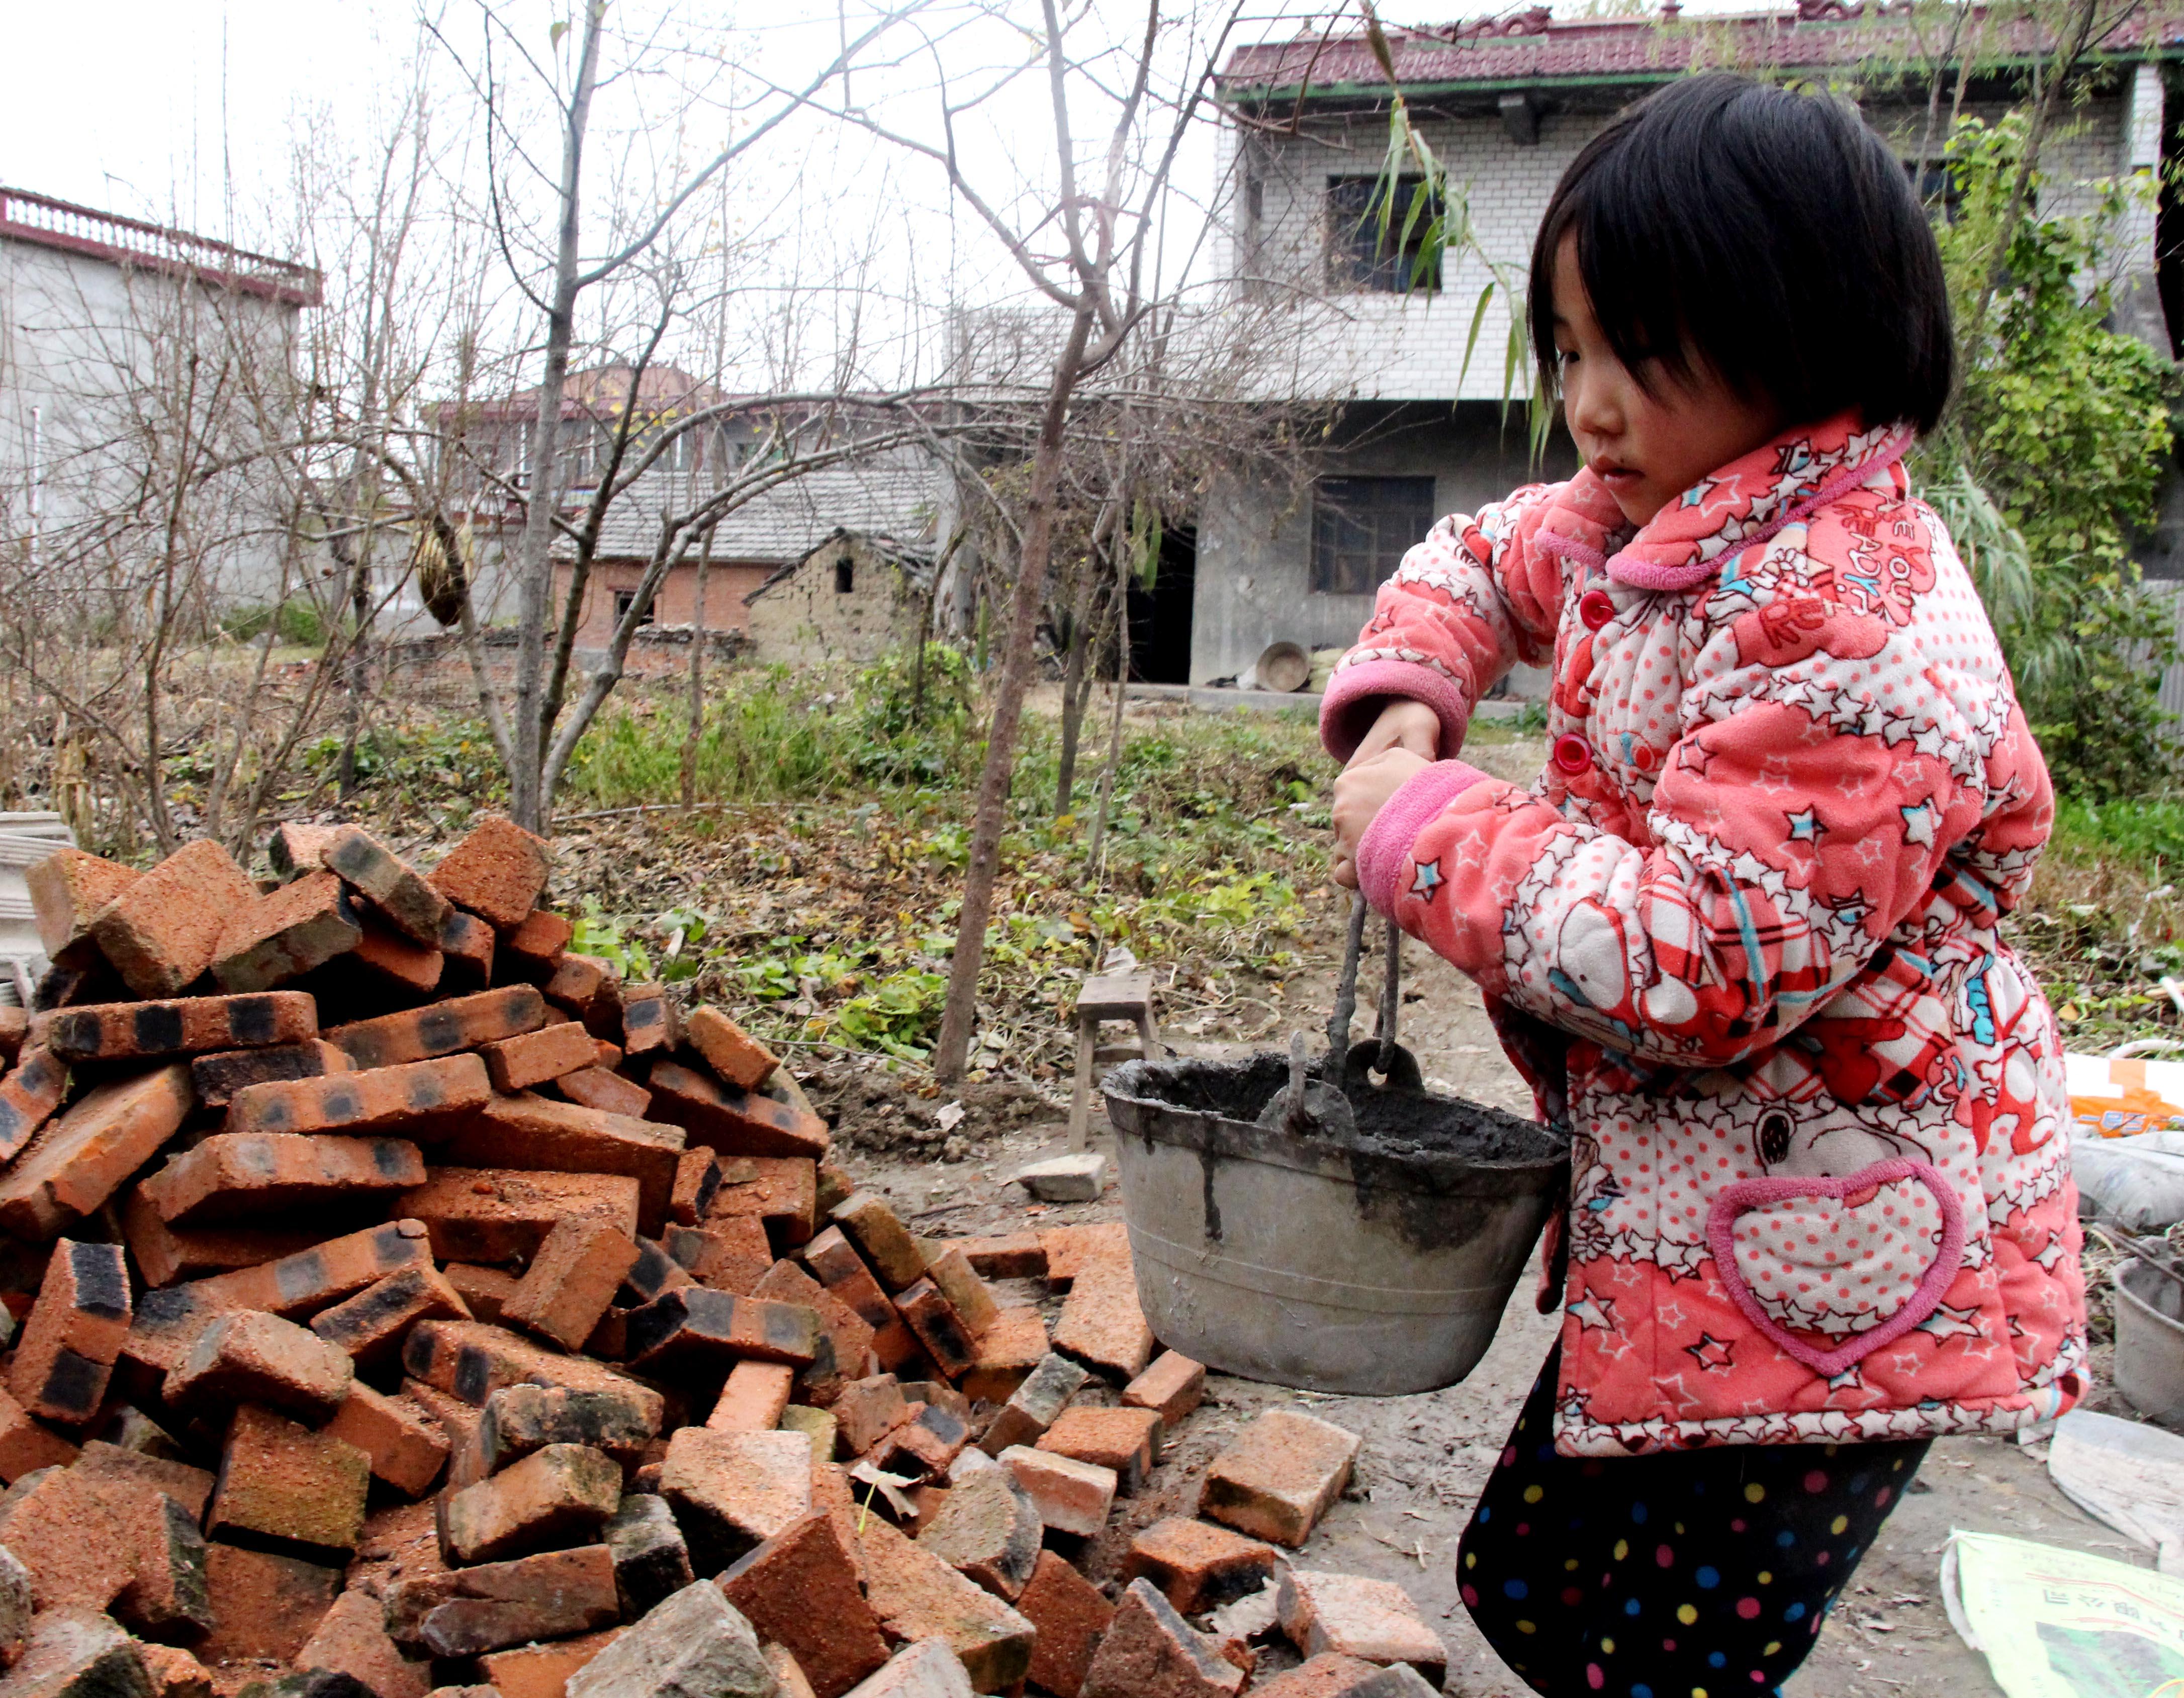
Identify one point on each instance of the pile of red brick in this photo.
(406, 1303)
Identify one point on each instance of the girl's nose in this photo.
(1591, 408)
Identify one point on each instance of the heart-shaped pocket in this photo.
(1747, 1194)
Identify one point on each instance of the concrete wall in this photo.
(804, 621)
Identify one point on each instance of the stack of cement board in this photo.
(400, 1301)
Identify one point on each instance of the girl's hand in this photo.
(1363, 790)
(1402, 724)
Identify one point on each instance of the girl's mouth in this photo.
(1615, 475)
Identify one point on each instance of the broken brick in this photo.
(735, 1122)
(651, 1561)
(497, 871)
(407, 1448)
(544, 1671)
(395, 963)
(753, 1399)
(1019, 1256)
(869, 1409)
(1198, 1565)
(925, 1669)
(413, 907)
(534, 949)
(734, 1490)
(68, 888)
(237, 1176)
(84, 1157)
(184, 1026)
(472, 1361)
(780, 1192)
(282, 936)
(894, 1256)
(1124, 1440)
(495, 1605)
(292, 849)
(1011, 1349)
(351, 1639)
(595, 1088)
(537, 1134)
(424, 1100)
(1072, 1617)
(731, 1254)
(60, 1526)
(694, 1643)
(571, 1282)
(939, 1328)
(25, 1445)
(653, 1273)
(1069, 1249)
(918, 1596)
(488, 1214)
(966, 1293)
(842, 1270)
(848, 1335)
(1101, 1324)
(67, 1352)
(586, 986)
(161, 930)
(736, 1057)
(1355, 1615)
(324, 1274)
(370, 1326)
(695, 1326)
(788, 1678)
(219, 1075)
(191, 1488)
(533, 1058)
(1328, 1675)
(483, 1289)
(696, 1178)
(926, 1444)
(520, 1419)
(467, 951)
(1150, 1651)
(77, 1653)
(28, 1095)
(174, 1673)
(649, 1020)
(818, 1425)
(989, 1531)
(281, 1481)
(1171, 1387)
(1278, 1476)
(166, 1328)
(441, 1028)
(556, 1496)
(166, 1596)
(799, 1590)
(265, 1608)
(1071, 1496)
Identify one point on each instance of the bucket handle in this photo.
(1390, 1059)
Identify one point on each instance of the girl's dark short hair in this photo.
(1767, 234)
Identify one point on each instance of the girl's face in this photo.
(1648, 449)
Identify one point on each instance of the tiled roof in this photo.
(1532, 47)
(898, 495)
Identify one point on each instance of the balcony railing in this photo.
(128, 241)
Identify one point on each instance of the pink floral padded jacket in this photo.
(1743, 933)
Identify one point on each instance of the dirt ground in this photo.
(1425, 1456)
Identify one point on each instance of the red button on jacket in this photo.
(1596, 608)
(1573, 754)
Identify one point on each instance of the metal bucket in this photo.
(1374, 1268)
(2149, 1341)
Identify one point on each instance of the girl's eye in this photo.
(1566, 357)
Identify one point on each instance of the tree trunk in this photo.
(696, 725)
(534, 575)
(1096, 845)
(1074, 689)
(358, 667)
(961, 1016)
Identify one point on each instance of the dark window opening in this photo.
(626, 599)
(1362, 255)
(845, 575)
(1937, 189)
(1363, 526)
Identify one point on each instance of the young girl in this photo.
(1743, 934)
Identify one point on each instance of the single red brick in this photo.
(84, 1157)
(395, 963)
(798, 1589)
(650, 1022)
(278, 1481)
(848, 1336)
(696, 1178)
(62, 1527)
(253, 1357)
(293, 849)
(489, 1215)
(531, 1132)
(441, 1028)
(67, 1352)
(68, 888)
(926, 1445)
(1278, 1476)
(424, 1100)
(265, 1608)
(370, 1326)
(161, 930)
(753, 1399)
(1072, 1496)
(459, 1423)
(989, 1531)
(166, 1328)
(939, 1328)
(407, 1447)
(500, 1605)
(653, 1273)
(28, 1095)
(895, 1257)
(466, 951)
(867, 1410)
(484, 1290)
(534, 950)
(731, 1254)
(734, 1490)
(843, 1271)
(1069, 1248)
(918, 1596)
(1015, 1345)
(966, 1293)
(571, 1282)
(1101, 1324)
(1150, 1651)
(544, 1671)
(1171, 1387)
(588, 987)
(518, 1063)
(1019, 1256)
(1353, 1616)
(419, 1583)
(310, 1279)
(352, 1639)
(1034, 1405)
(25, 1446)
(396, 890)
(1072, 1617)
(282, 936)
(174, 1673)
(166, 1254)
(595, 1088)
(185, 1026)
(242, 1176)
(219, 1077)
(780, 1191)
(739, 1058)
(497, 872)
(732, 1121)
(695, 1326)
(521, 1419)
(555, 1497)
(1125, 1440)
(191, 1488)
(1199, 1566)
(474, 1361)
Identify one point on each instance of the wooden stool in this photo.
(1125, 997)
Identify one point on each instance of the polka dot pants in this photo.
(1686, 1575)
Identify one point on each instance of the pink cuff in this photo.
(1356, 695)
(1384, 851)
